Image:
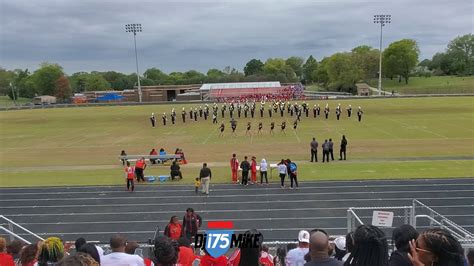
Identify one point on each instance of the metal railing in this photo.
(10, 231)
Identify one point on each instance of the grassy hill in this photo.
(397, 138)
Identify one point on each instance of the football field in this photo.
(398, 138)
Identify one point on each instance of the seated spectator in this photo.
(370, 247)
(51, 251)
(319, 251)
(181, 153)
(118, 255)
(29, 255)
(175, 171)
(123, 153)
(78, 259)
(436, 247)
(401, 236)
(5, 258)
(165, 252)
(90, 249)
(162, 153)
(340, 248)
(153, 152)
(14, 249)
(208, 260)
(265, 258)
(174, 228)
(295, 256)
(186, 255)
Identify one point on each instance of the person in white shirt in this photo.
(283, 171)
(118, 257)
(295, 257)
(263, 171)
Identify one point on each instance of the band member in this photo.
(262, 109)
(252, 110)
(222, 127)
(318, 110)
(272, 126)
(191, 113)
(153, 119)
(338, 111)
(260, 126)
(239, 110)
(214, 117)
(173, 118)
(295, 124)
(195, 114)
(249, 126)
(326, 111)
(163, 117)
(233, 125)
(222, 111)
(282, 109)
(269, 110)
(359, 113)
(200, 111)
(283, 126)
(314, 111)
(183, 115)
(349, 111)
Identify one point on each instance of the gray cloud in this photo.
(180, 35)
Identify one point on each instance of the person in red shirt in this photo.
(5, 259)
(140, 166)
(253, 168)
(234, 167)
(153, 152)
(130, 175)
(186, 255)
(208, 260)
(174, 229)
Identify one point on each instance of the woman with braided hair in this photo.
(370, 247)
(436, 247)
(165, 251)
(52, 251)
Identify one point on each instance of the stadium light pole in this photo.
(134, 28)
(382, 20)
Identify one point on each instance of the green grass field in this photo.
(431, 85)
(5, 101)
(397, 138)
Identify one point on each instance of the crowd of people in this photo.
(366, 246)
(248, 109)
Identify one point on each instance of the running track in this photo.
(96, 213)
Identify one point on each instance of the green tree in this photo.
(62, 89)
(7, 77)
(461, 53)
(194, 77)
(95, 82)
(78, 81)
(277, 69)
(155, 74)
(117, 80)
(43, 79)
(309, 70)
(401, 57)
(296, 63)
(253, 67)
(215, 75)
(342, 72)
(367, 61)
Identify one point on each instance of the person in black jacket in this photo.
(175, 171)
(245, 166)
(401, 236)
(343, 148)
(191, 224)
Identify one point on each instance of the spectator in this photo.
(175, 171)
(319, 252)
(470, 257)
(343, 148)
(78, 259)
(79, 243)
(29, 255)
(133, 248)
(123, 153)
(295, 257)
(349, 246)
(436, 247)
(245, 166)
(153, 152)
(253, 168)
(52, 251)
(401, 236)
(205, 175)
(282, 171)
(165, 252)
(14, 249)
(249, 256)
(191, 224)
(129, 176)
(370, 247)
(326, 151)
(265, 258)
(118, 255)
(340, 248)
(280, 257)
(5, 258)
(331, 149)
(208, 260)
(140, 166)
(314, 149)
(293, 173)
(174, 229)
(263, 171)
(186, 255)
(234, 168)
(90, 249)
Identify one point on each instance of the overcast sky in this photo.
(86, 35)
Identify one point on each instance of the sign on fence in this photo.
(382, 218)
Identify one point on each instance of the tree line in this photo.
(338, 72)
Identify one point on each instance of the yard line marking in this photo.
(236, 195)
(207, 211)
(240, 189)
(381, 130)
(420, 129)
(296, 135)
(209, 136)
